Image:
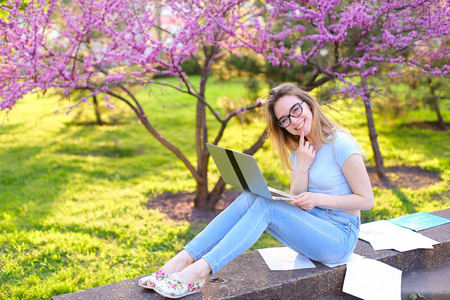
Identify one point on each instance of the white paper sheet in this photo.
(352, 257)
(386, 235)
(283, 258)
(370, 279)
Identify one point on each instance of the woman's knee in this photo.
(246, 199)
(262, 205)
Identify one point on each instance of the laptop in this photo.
(242, 171)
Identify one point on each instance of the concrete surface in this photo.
(425, 271)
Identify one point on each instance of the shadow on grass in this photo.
(403, 177)
(31, 185)
(31, 182)
(428, 125)
(406, 139)
(113, 150)
(9, 128)
(113, 142)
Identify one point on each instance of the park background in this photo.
(83, 204)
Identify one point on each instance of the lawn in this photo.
(73, 198)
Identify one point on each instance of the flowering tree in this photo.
(104, 47)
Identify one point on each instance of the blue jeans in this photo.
(323, 235)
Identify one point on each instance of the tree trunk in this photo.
(98, 116)
(435, 105)
(216, 193)
(201, 198)
(381, 172)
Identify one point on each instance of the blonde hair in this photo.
(281, 139)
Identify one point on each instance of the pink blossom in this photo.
(260, 102)
(106, 45)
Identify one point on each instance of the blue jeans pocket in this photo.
(343, 218)
(348, 222)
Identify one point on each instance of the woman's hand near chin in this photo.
(305, 154)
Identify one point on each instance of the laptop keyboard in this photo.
(277, 196)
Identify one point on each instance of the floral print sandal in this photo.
(173, 288)
(148, 282)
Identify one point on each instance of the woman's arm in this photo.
(305, 157)
(299, 181)
(356, 175)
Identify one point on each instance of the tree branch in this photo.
(258, 144)
(154, 132)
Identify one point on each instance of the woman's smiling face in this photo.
(283, 108)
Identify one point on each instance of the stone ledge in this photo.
(433, 285)
(248, 277)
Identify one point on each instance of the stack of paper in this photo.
(386, 235)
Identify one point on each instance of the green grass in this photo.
(72, 198)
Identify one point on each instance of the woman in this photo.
(330, 185)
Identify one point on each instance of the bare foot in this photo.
(195, 272)
(178, 262)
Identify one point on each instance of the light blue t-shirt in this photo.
(325, 174)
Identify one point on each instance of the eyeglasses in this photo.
(295, 111)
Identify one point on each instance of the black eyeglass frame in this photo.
(299, 104)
